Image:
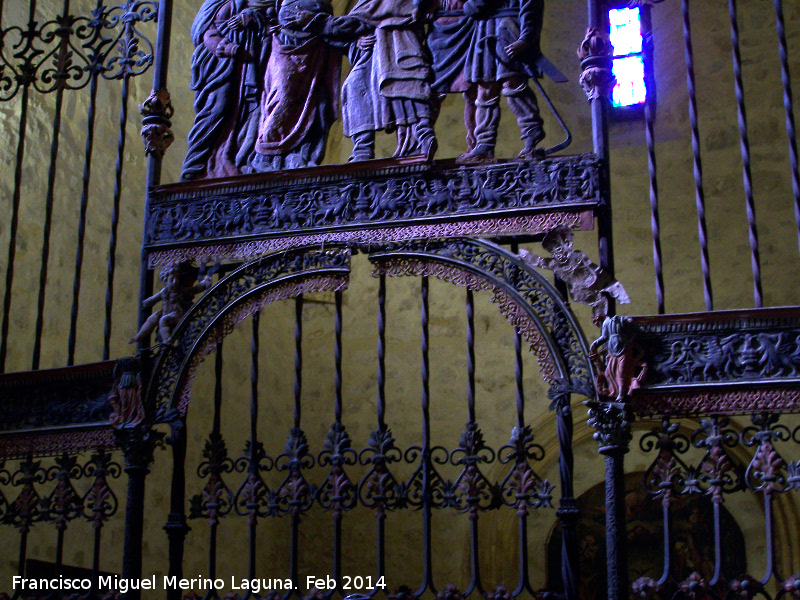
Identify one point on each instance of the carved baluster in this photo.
(99, 503)
(523, 489)
(717, 474)
(765, 474)
(64, 504)
(612, 422)
(661, 479)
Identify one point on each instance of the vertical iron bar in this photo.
(176, 526)
(524, 577)
(337, 355)
(298, 357)
(427, 515)
(253, 466)
(298, 383)
(523, 582)
(48, 204)
(96, 558)
(616, 535)
(153, 165)
(700, 200)
(567, 509)
(475, 582)
(112, 240)
(381, 410)
(717, 545)
(134, 515)
(649, 119)
(667, 533)
(14, 221)
(788, 107)
(470, 309)
(215, 436)
(599, 110)
(750, 207)
(137, 471)
(769, 527)
(87, 171)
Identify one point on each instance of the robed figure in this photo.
(488, 49)
(388, 87)
(301, 92)
(231, 49)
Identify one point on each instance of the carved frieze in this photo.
(724, 362)
(335, 203)
(55, 398)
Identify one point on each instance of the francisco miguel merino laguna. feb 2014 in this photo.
(117, 583)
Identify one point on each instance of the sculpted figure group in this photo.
(267, 78)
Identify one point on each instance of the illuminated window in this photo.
(626, 37)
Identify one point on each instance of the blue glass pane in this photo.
(626, 32)
(630, 88)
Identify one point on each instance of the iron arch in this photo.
(527, 299)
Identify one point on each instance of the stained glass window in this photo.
(626, 37)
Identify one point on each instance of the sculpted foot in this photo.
(480, 155)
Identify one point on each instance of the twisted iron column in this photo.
(612, 421)
(597, 79)
(138, 444)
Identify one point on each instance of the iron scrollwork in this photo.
(522, 487)
(337, 492)
(378, 489)
(66, 52)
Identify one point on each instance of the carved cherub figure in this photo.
(587, 282)
(181, 285)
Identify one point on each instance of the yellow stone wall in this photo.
(563, 31)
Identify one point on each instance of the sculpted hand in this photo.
(516, 49)
(531, 258)
(237, 22)
(366, 42)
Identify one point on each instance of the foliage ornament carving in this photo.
(157, 111)
(612, 422)
(595, 53)
(720, 363)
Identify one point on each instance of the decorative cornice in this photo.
(406, 199)
(702, 351)
(488, 227)
(716, 401)
(53, 443)
(50, 399)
